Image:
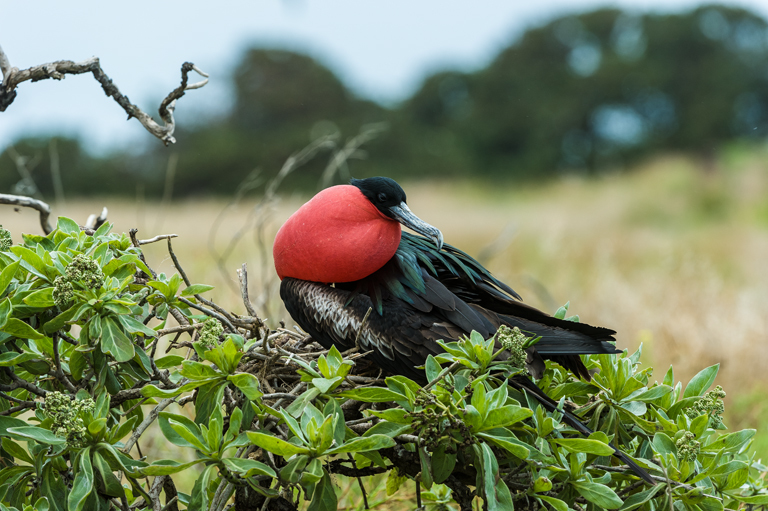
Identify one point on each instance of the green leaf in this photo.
(7, 275)
(371, 395)
(118, 432)
(584, 445)
(275, 445)
(10, 422)
(67, 225)
(83, 484)
(299, 404)
(199, 371)
(396, 415)
(5, 311)
(169, 361)
(160, 286)
(755, 500)
(727, 468)
(11, 358)
(362, 444)
(325, 384)
(638, 499)
(247, 383)
(209, 397)
(654, 393)
(38, 434)
(16, 450)
(293, 425)
(115, 342)
(20, 329)
(42, 298)
(443, 464)
(190, 433)
(96, 426)
(198, 501)
(248, 467)
(166, 467)
(701, 382)
(394, 481)
(31, 261)
(112, 486)
(598, 494)
(312, 473)
(490, 469)
(732, 442)
(324, 496)
(511, 444)
(42, 504)
(135, 327)
(59, 321)
(53, 487)
(171, 434)
(557, 504)
(292, 471)
(153, 391)
(425, 462)
(504, 416)
(390, 429)
(432, 368)
(196, 289)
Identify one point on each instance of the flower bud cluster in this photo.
(63, 293)
(710, 404)
(65, 414)
(5, 240)
(514, 341)
(83, 270)
(86, 270)
(688, 447)
(209, 334)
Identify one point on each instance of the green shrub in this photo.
(271, 420)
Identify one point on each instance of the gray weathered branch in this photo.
(29, 202)
(13, 76)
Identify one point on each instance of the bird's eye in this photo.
(382, 197)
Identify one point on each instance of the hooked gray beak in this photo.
(403, 214)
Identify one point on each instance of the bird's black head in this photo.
(383, 192)
(389, 198)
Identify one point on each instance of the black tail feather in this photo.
(524, 383)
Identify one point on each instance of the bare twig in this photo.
(442, 374)
(158, 238)
(242, 275)
(28, 202)
(24, 384)
(148, 420)
(12, 77)
(94, 221)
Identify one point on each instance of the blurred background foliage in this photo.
(585, 94)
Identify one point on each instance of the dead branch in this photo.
(158, 238)
(95, 221)
(57, 70)
(28, 202)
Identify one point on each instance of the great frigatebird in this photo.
(343, 253)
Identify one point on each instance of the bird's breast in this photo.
(338, 236)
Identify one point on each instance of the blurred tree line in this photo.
(582, 93)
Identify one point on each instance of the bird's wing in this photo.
(451, 276)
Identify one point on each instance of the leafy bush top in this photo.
(271, 418)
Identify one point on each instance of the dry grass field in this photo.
(669, 255)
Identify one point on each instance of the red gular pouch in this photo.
(338, 236)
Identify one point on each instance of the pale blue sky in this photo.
(382, 50)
